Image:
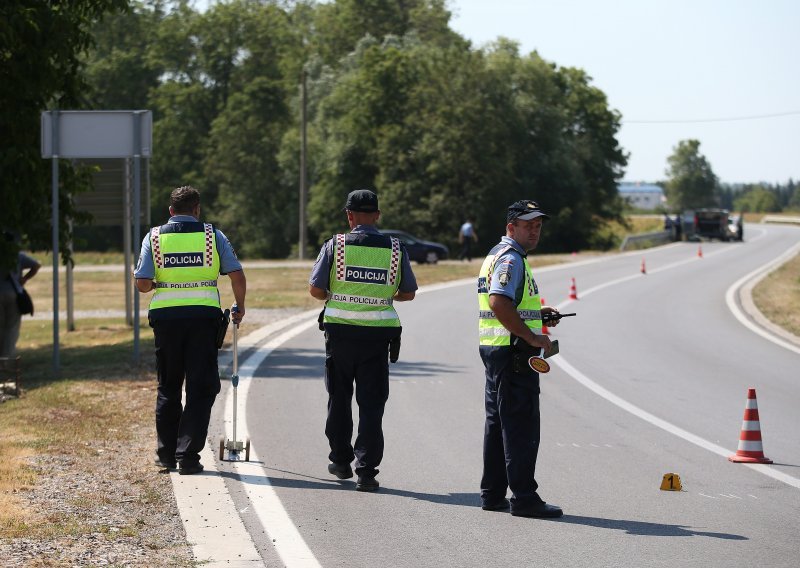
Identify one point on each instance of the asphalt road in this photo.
(647, 356)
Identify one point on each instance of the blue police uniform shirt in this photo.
(512, 266)
(227, 257)
(321, 273)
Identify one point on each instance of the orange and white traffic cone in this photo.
(750, 449)
(545, 331)
(699, 251)
(643, 269)
(573, 291)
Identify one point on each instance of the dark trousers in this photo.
(466, 249)
(366, 363)
(511, 433)
(185, 349)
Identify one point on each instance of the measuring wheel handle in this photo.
(247, 451)
(222, 449)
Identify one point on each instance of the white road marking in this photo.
(286, 539)
(756, 275)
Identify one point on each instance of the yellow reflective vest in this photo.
(187, 266)
(365, 275)
(490, 330)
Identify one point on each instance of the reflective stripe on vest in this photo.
(187, 266)
(363, 281)
(490, 330)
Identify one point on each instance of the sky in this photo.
(692, 65)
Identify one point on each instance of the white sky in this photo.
(672, 60)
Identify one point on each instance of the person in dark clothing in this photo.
(510, 313)
(181, 262)
(360, 275)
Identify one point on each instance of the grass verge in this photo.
(778, 296)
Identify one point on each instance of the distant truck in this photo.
(717, 224)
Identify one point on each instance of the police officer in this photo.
(181, 261)
(511, 311)
(359, 275)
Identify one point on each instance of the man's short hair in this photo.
(184, 199)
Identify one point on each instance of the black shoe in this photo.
(340, 470)
(500, 505)
(540, 510)
(190, 468)
(164, 464)
(367, 484)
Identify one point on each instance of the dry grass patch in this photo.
(77, 483)
(778, 296)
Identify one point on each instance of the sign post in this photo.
(96, 134)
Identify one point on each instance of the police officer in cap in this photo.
(181, 261)
(360, 275)
(511, 312)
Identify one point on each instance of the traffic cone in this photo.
(545, 331)
(750, 449)
(699, 251)
(573, 291)
(644, 270)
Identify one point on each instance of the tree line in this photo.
(397, 102)
(691, 184)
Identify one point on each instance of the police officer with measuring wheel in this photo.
(360, 275)
(181, 261)
(511, 312)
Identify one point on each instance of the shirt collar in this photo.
(182, 219)
(371, 229)
(513, 243)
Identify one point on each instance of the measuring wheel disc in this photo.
(247, 451)
(222, 449)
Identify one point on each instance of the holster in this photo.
(394, 349)
(320, 319)
(224, 322)
(521, 351)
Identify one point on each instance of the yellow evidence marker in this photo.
(671, 482)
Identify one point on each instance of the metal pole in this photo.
(303, 181)
(70, 287)
(126, 241)
(55, 244)
(137, 241)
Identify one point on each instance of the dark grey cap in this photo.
(524, 210)
(362, 201)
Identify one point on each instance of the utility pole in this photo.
(303, 181)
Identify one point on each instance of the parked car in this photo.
(736, 228)
(419, 250)
(711, 224)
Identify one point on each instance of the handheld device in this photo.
(551, 317)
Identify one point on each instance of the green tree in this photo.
(758, 199)
(691, 182)
(446, 133)
(41, 43)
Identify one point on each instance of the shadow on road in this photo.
(644, 529)
(310, 364)
(311, 482)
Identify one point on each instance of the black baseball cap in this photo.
(362, 201)
(525, 210)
